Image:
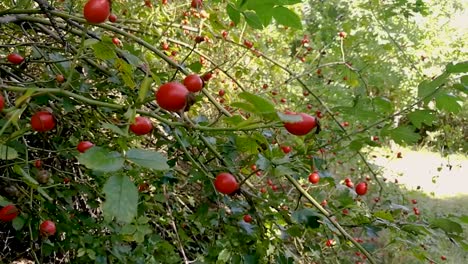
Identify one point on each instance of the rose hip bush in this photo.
(209, 131)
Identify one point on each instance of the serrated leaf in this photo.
(418, 117)
(457, 68)
(7, 153)
(449, 226)
(383, 104)
(448, 102)
(103, 51)
(121, 198)
(148, 159)
(252, 19)
(286, 17)
(100, 159)
(233, 13)
(246, 145)
(404, 134)
(426, 88)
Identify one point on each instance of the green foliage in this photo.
(362, 68)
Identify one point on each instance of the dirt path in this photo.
(441, 176)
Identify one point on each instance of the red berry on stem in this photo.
(330, 243)
(361, 188)
(197, 3)
(112, 18)
(8, 213)
(302, 127)
(193, 82)
(47, 228)
(172, 96)
(247, 218)
(42, 121)
(38, 164)
(116, 41)
(314, 177)
(15, 58)
(207, 76)
(96, 11)
(141, 126)
(226, 183)
(2, 102)
(59, 78)
(286, 149)
(248, 44)
(83, 146)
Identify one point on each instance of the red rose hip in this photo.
(8, 213)
(226, 183)
(141, 126)
(47, 228)
(42, 121)
(83, 146)
(193, 83)
(172, 96)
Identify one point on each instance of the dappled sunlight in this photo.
(436, 175)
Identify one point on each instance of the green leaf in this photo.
(260, 5)
(148, 159)
(233, 13)
(287, 17)
(224, 256)
(103, 51)
(18, 223)
(195, 67)
(100, 159)
(266, 15)
(114, 128)
(288, 2)
(425, 88)
(144, 88)
(356, 145)
(448, 102)
(418, 117)
(260, 104)
(252, 19)
(307, 217)
(464, 219)
(121, 198)
(383, 104)
(449, 226)
(246, 145)
(384, 215)
(415, 229)
(7, 153)
(457, 68)
(404, 134)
